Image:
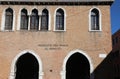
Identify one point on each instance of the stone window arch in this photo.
(60, 20)
(95, 20)
(45, 20)
(34, 20)
(24, 20)
(8, 19)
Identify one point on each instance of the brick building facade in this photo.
(116, 54)
(43, 39)
(116, 41)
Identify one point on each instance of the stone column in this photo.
(39, 22)
(63, 73)
(12, 75)
(29, 22)
(41, 75)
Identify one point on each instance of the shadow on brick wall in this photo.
(106, 70)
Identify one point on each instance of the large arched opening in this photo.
(77, 67)
(26, 63)
(27, 67)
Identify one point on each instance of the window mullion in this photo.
(29, 24)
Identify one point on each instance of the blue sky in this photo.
(115, 16)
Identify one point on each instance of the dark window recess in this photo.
(59, 19)
(113, 42)
(116, 40)
(95, 25)
(8, 19)
(44, 19)
(34, 23)
(24, 20)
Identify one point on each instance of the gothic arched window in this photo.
(24, 20)
(59, 20)
(44, 19)
(34, 20)
(8, 19)
(95, 22)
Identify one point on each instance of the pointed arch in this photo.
(60, 19)
(27, 67)
(13, 65)
(34, 20)
(95, 19)
(8, 19)
(63, 72)
(24, 19)
(45, 20)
